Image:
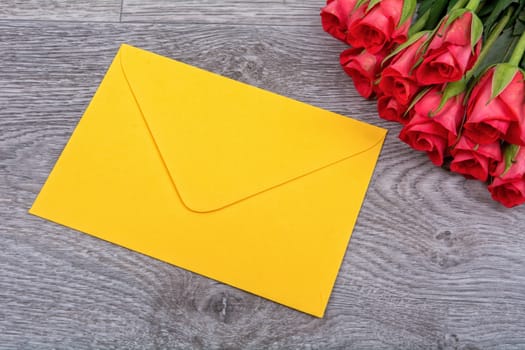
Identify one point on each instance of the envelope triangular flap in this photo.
(223, 141)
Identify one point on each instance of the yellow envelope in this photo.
(218, 177)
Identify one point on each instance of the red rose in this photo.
(398, 79)
(449, 54)
(378, 28)
(390, 109)
(473, 160)
(509, 188)
(363, 67)
(433, 133)
(502, 117)
(335, 15)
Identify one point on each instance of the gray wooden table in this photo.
(433, 263)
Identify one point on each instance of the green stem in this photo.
(473, 5)
(480, 7)
(490, 41)
(419, 24)
(458, 5)
(518, 52)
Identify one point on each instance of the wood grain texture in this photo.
(65, 10)
(255, 12)
(433, 263)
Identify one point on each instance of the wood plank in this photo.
(433, 263)
(276, 12)
(66, 10)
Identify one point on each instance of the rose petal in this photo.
(510, 194)
(470, 165)
(334, 17)
(390, 109)
(370, 33)
(437, 155)
(439, 68)
(395, 84)
(492, 150)
(363, 67)
(449, 117)
(425, 136)
(458, 33)
(516, 171)
(449, 54)
(489, 119)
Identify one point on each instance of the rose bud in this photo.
(335, 16)
(379, 28)
(490, 117)
(432, 129)
(390, 109)
(452, 51)
(475, 161)
(363, 67)
(508, 187)
(397, 79)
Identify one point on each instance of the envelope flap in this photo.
(223, 141)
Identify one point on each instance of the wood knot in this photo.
(222, 307)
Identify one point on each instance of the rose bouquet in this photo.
(451, 72)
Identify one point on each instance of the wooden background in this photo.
(433, 263)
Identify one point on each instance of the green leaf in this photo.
(416, 99)
(409, 7)
(437, 11)
(503, 75)
(499, 52)
(424, 6)
(371, 5)
(476, 31)
(406, 44)
(451, 90)
(486, 9)
(451, 4)
(453, 15)
(418, 24)
(359, 3)
(424, 47)
(496, 9)
(518, 19)
(475, 80)
(416, 64)
(518, 28)
(511, 151)
(521, 14)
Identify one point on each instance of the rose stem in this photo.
(518, 52)
(419, 24)
(459, 4)
(490, 41)
(473, 5)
